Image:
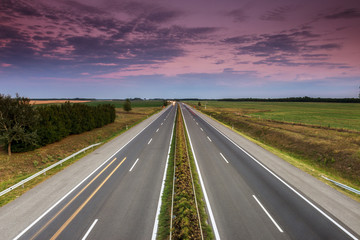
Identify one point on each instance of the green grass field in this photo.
(134, 104)
(336, 115)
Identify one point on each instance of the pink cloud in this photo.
(105, 64)
(5, 65)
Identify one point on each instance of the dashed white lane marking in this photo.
(224, 158)
(150, 141)
(267, 213)
(201, 129)
(209, 138)
(88, 231)
(162, 123)
(133, 165)
(157, 130)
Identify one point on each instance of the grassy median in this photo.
(186, 224)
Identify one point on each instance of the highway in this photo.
(120, 199)
(249, 201)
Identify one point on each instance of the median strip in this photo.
(183, 213)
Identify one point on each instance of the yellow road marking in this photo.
(84, 203)
(52, 219)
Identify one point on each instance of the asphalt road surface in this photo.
(118, 201)
(248, 201)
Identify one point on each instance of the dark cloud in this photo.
(83, 8)
(293, 42)
(100, 23)
(345, 14)
(241, 39)
(281, 60)
(18, 7)
(277, 14)
(271, 44)
(7, 32)
(238, 15)
(329, 46)
(161, 16)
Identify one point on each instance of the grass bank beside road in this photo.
(315, 148)
(23, 165)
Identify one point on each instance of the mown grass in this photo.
(23, 165)
(334, 115)
(319, 150)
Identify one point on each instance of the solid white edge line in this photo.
(212, 218)
(133, 165)
(286, 184)
(149, 141)
(88, 231)
(224, 158)
(209, 138)
(156, 223)
(268, 214)
(53, 206)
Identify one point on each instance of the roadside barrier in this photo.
(22, 182)
(343, 186)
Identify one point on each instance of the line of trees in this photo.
(24, 127)
(293, 99)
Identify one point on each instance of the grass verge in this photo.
(23, 165)
(330, 148)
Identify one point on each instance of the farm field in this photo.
(40, 102)
(23, 165)
(334, 115)
(134, 104)
(300, 133)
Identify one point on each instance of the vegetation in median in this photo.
(186, 223)
(331, 151)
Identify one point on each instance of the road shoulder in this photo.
(345, 209)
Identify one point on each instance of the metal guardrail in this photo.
(343, 185)
(22, 182)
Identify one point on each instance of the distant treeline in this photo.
(70, 99)
(55, 122)
(291, 99)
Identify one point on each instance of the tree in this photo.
(199, 104)
(165, 103)
(17, 121)
(127, 105)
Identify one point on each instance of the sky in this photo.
(180, 49)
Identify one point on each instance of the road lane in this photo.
(231, 188)
(123, 201)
